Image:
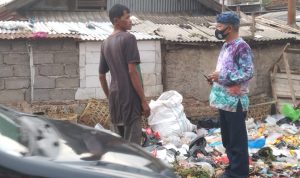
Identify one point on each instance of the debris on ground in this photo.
(274, 145)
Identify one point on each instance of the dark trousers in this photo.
(131, 132)
(235, 140)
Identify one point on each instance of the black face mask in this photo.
(220, 34)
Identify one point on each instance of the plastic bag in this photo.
(167, 115)
(258, 143)
(173, 140)
(289, 111)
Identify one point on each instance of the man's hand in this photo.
(234, 90)
(214, 77)
(145, 109)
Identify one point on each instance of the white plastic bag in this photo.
(167, 115)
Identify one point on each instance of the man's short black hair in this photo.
(117, 11)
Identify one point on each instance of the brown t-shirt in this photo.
(117, 51)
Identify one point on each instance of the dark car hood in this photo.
(38, 146)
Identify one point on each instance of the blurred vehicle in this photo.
(34, 146)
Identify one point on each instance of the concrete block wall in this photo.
(56, 70)
(14, 71)
(183, 66)
(89, 57)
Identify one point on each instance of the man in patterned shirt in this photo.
(229, 93)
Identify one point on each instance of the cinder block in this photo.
(19, 46)
(158, 46)
(41, 95)
(82, 83)
(69, 45)
(100, 93)
(158, 68)
(28, 95)
(5, 45)
(17, 83)
(92, 57)
(148, 68)
(150, 91)
(85, 93)
(158, 59)
(15, 58)
(1, 59)
(11, 96)
(92, 82)
(159, 90)
(67, 82)
(92, 70)
(149, 79)
(146, 45)
(158, 79)
(6, 71)
(93, 47)
(71, 69)
(82, 48)
(21, 70)
(82, 60)
(147, 56)
(51, 70)
(66, 58)
(44, 82)
(82, 74)
(48, 45)
(43, 58)
(1, 84)
(62, 94)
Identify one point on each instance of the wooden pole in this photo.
(292, 12)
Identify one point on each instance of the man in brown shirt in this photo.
(120, 56)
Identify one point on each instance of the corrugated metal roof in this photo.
(190, 32)
(95, 26)
(158, 6)
(78, 30)
(64, 16)
(4, 2)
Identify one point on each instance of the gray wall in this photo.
(56, 70)
(183, 66)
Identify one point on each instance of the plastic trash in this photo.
(175, 140)
(168, 117)
(250, 124)
(201, 132)
(291, 129)
(198, 146)
(270, 121)
(207, 167)
(214, 144)
(272, 138)
(289, 111)
(258, 143)
(188, 137)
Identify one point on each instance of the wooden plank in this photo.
(285, 82)
(288, 71)
(292, 50)
(273, 75)
(280, 57)
(285, 76)
(287, 95)
(280, 87)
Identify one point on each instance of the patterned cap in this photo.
(228, 18)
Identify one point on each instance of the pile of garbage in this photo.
(197, 150)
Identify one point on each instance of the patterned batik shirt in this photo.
(235, 67)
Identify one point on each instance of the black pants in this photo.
(131, 132)
(234, 138)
